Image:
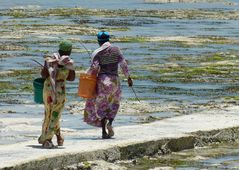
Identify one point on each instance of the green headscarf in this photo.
(65, 46)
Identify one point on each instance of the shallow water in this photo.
(214, 157)
(141, 55)
(108, 4)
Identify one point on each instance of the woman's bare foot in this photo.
(105, 136)
(110, 130)
(60, 140)
(48, 144)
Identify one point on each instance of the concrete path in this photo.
(87, 144)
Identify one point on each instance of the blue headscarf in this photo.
(103, 36)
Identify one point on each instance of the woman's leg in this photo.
(104, 133)
(110, 127)
(51, 124)
(59, 137)
(45, 125)
(114, 105)
(55, 123)
(57, 126)
(47, 115)
(111, 121)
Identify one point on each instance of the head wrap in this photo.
(65, 46)
(103, 36)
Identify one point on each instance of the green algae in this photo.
(200, 71)
(187, 68)
(40, 51)
(37, 30)
(5, 55)
(137, 39)
(18, 14)
(165, 14)
(24, 77)
(196, 158)
(7, 86)
(87, 165)
(203, 68)
(27, 87)
(22, 74)
(231, 98)
(12, 47)
(147, 163)
(168, 73)
(117, 29)
(215, 57)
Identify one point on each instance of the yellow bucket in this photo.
(87, 86)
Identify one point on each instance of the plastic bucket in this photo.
(87, 86)
(38, 85)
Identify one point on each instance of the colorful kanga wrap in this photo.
(52, 63)
(107, 101)
(53, 110)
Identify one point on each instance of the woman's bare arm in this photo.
(71, 75)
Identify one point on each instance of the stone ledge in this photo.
(161, 137)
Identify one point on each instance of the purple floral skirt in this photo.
(107, 101)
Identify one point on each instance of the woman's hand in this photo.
(71, 76)
(130, 82)
(44, 72)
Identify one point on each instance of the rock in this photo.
(7, 111)
(95, 165)
(163, 168)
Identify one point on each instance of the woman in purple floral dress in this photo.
(101, 110)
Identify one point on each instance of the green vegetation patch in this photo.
(197, 158)
(23, 77)
(217, 67)
(11, 47)
(165, 14)
(147, 163)
(19, 14)
(7, 86)
(131, 39)
(22, 74)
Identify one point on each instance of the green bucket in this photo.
(38, 85)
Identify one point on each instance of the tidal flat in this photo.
(180, 56)
(182, 60)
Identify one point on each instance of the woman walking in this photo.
(101, 110)
(57, 69)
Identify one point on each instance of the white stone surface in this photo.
(89, 140)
